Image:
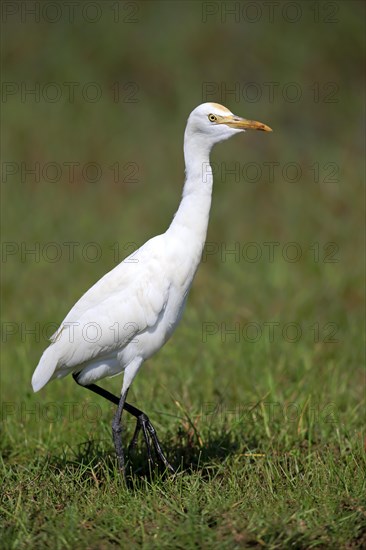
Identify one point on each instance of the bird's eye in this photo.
(212, 118)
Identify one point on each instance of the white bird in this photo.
(131, 312)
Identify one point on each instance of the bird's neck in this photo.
(191, 218)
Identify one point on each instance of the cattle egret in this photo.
(133, 310)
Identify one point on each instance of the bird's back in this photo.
(130, 311)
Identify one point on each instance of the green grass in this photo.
(271, 460)
(267, 434)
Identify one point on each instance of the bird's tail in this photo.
(45, 368)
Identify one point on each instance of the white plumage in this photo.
(131, 312)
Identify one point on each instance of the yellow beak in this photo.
(243, 124)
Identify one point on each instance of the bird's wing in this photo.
(124, 303)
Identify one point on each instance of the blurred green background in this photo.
(151, 63)
(164, 59)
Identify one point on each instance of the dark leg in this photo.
(143, 423)
(117, 432)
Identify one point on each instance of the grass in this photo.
(267, 440)
(254, 472)
(259, 397)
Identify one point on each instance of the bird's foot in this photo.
(143, 424)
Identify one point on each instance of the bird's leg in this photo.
(132, 445)
(117, 432)
(143, 423)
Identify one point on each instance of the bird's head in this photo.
(213, 123)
